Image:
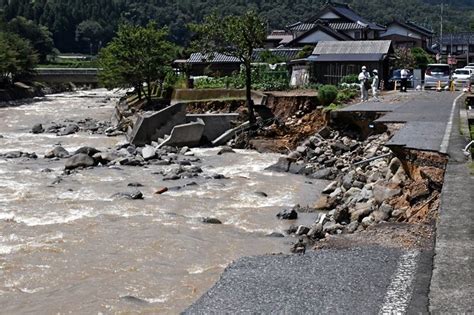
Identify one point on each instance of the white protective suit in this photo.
(363, 77)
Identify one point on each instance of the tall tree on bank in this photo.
(236, 36)
(17, 58)
(137, 56)
(39, 36)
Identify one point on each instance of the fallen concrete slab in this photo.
(151, 126)
(229, 134)
(189, 134)
(216, 124)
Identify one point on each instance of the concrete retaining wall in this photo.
(216, 124)
(150, 127)
(215, 94)
(185, 135)
(207, 94)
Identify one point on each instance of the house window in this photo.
(357, 35)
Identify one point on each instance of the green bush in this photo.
(345, 95)
(351, 78)
(327, 94)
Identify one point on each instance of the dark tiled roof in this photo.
(414, 27)
(346, 12)
(286, 53)
(301, 27)
(420, 28)
(326, 29)
(212, 58)
(347, 26)
(458, 38)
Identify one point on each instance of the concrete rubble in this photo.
(362, 193)
(178, 128)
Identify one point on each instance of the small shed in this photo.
(332, 60)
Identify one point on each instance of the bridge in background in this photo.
(80, 76)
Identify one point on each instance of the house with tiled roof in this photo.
(333, 60)
(407, 34)
(333, 22)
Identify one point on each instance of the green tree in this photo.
(236, 36)
(267, 56)
(404, 58)
(17, 57)
(91, 32)
(422, 58)
(39, 36)
(137, 55)
(305, 52)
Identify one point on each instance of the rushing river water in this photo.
(70, 248)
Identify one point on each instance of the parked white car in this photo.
(437, 74)
(462, 77)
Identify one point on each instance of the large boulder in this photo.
(105, 157)
(210, 220)
(148, 152)
(79, 160)
(58, 152)
(38, 128)
(225, 150)
(131, 195)
(361, 211)
(87, 150)
(287, 215)
(69, 129)
(325, 173)
(385, 191)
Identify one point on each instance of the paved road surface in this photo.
(367, 280)
(426, 115)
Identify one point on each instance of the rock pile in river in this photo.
(18, 154)
(68, 127)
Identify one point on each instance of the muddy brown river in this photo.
(69, 247)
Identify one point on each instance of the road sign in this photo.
(452, 60)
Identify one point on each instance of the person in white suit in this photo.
(364, 77)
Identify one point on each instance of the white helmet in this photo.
(375, 71)
(364, 68)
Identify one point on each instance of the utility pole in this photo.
(468, 35)
(441, 31)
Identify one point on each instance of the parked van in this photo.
(437, 73)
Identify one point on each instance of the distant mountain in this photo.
(97, 20)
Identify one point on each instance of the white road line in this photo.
(449, 127)
(399, 292)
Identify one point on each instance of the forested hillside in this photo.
(86, 25)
